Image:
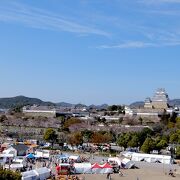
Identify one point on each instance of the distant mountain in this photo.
(174, 102)
(69, 105)
(98, 107)
(80, 105)
(6, 103)
(140, 104)
(11, 102)
(64, 104)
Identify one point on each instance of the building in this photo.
(148, 103)
(158, 101)
(35, 110)
(50, 112)
(153, 107)
(18, 150)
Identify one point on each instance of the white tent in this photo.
(43, 173)
(42, 153)
(96, 168)
(37, 174)
(82, 168)
(106, 168)
(75, 158)
(10, 152)
(152, 158)
(115, 160)
(102, 169)
(16, 166)
(127, 163)
(29, 175)
(127, 154)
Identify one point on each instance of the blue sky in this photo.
(89, 51)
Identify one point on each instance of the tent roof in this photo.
(115, 159)
(96, 165)
(29, 173)
(20, 147)
(151, 155)
(106, 165)
(30, 156)
(63, 156)
(42, 170)
(125, 160)
(74, 157)
(82, 165)
(6, 155)
(64, 164)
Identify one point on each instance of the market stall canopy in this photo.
(106, 168)
(30, 156)
(37, 174)
(43, 173)
(106, 165)
(63, 156)
(82, 168)
(152, 158)
(96, 165)
(128, 163)
(75, 158)
(115, 160)
(29, 175)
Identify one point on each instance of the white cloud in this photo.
(130, 44)
(38, 18)
(139, 44)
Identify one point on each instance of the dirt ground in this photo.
(134, 174)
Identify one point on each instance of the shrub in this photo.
(9, 175)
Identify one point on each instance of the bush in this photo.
(9, 175)
(178, 152)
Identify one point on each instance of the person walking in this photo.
(108, 176)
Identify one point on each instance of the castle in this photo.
(153, 107)
(159, 100)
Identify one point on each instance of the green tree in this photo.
(87, 134)
(9, 175)
(178, 122)
(170, 124)
(148, 145)
(134, 142)
(121, 141)
(113, 108)
(174, 138)
(127, 137)
(162, 144)
(178, 152)
(50, 136)
(146, 132)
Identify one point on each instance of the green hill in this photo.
(6, 103)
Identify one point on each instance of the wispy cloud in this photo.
(164, 12)
(125, 45)
(38, 18)
(138, 44)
